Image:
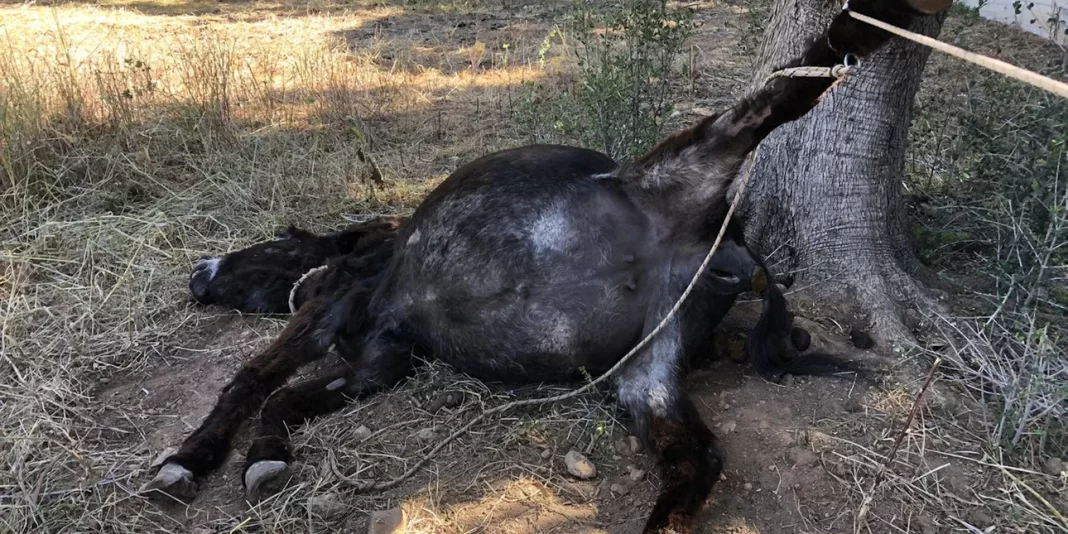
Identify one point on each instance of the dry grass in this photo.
(133, 142)
(134, 139)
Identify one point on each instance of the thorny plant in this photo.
(994, 199)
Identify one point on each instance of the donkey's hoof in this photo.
(172, 481)
(265, 477)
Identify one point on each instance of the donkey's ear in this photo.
(292, 232)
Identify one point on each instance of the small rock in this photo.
(1053, 466)
(426, 434)
(449, 399)
(747, 486)
(927, 524)
(361, 433)
(617, 457)
(167, 453)
(635, 475)
(802, 457)
(979, 518)
(635, 444)
(621, 446)
(579, 466)
(841, 469)
(772, 467)
(545, 454)
(386, 521)
(619, 489)
(326, 506)
(728, 427)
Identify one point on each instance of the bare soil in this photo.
(800, 454)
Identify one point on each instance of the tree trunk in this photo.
(825, 196)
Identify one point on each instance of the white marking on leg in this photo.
(658, 399)
(414, 238)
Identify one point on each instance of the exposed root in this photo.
(880, 298)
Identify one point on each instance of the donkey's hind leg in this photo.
(380, 365)
(306, 338)
(652, 390)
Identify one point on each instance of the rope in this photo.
(296, 286)
(1001, 67)
(837, 71)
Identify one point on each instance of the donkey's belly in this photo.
(538, 335)
(526, 265)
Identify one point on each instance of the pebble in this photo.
(450, 399)
(326, 506)
(979, 518)
(635, 444)
(747, 486)
(361, 433)
(426, 434)
(729, 427)
(636, 474)
(579, 466)
(386, 521)
(619, 489)
(802, 457)
(1053, 466)
(927, 524)
(545, 454)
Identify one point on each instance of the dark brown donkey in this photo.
(531, 265)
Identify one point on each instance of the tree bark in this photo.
(825, 198)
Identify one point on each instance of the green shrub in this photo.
(620, 97)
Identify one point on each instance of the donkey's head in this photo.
(258, 279)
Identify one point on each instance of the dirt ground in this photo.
(803, 456)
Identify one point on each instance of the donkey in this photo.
(534, 264)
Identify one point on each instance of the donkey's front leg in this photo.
(306, 338)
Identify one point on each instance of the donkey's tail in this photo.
(774, 355)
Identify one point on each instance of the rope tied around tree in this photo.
(838, 71)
